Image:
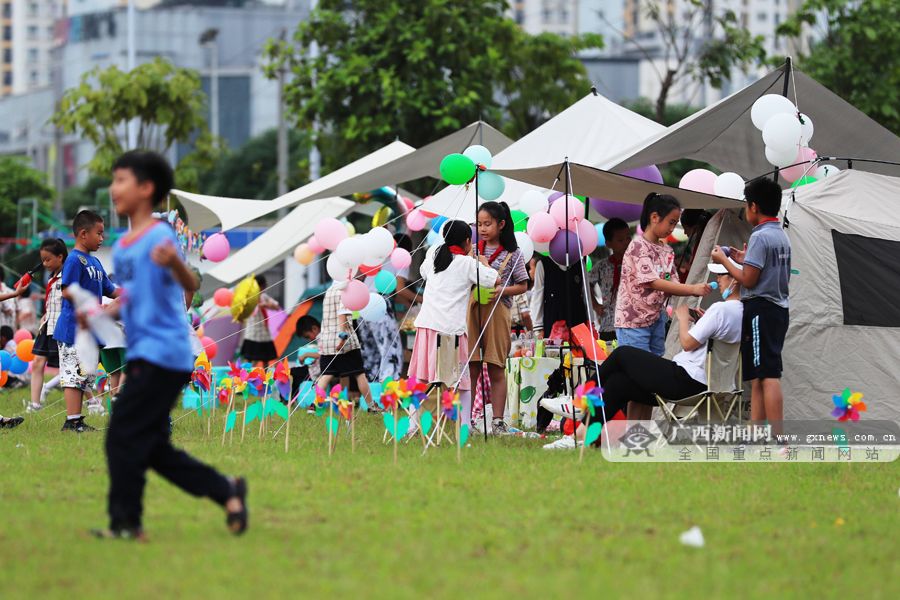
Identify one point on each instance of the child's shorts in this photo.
(342, 365)
(764, 328)
(71, 375)
(46, 346)
(113, 359)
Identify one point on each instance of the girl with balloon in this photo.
(496, 242)
(46, 351)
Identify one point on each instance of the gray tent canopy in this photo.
(724, 136)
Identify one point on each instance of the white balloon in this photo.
(351, 251)
(525, 245)
(532, 201)
(541, 247)
(781, 158)
(826, 171)
(767, 107)
(782, 132)
(379, 244)
(433, 238)
(729, 185)
(338, 270)
(806, 129)
(376, 309)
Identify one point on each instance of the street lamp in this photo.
(209, 38)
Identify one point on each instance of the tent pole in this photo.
(480, 377)
(788, 67)
(568, 308)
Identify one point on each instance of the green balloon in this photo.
(589, 264)
(803, 181)
(457, 169)
(520, 220)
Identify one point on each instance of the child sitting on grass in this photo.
(159, 357)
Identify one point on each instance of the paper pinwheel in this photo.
(101, 379)
(282, 378)
(202, 361)
(235, 371)
(450, 404)
(848, 405)
(589, 397)
(200, 379)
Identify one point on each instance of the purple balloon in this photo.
(558, 248)
(623, 210)
(554, 197)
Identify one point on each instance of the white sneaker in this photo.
(96, 408)
(566, 442)
(561, 406)
(44, 392)
(33, 408)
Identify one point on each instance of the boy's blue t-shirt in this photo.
(769, 250)
(88, 273)
(153, 303)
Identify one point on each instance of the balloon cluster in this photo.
(473, 164)
(786, 133)
(17, 364)
(727, 185)
(559, 228)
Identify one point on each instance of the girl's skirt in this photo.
(495, 341)
(437, 357)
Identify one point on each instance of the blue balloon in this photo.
(437, 223)
(375, 310)
(479, 155)
(601, 241)
(5, 360)
(17, 366)
(490, 185)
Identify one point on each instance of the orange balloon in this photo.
(24, 350)
(3, 377)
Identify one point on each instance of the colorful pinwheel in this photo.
(848, 405)
(101, 379)
(236, 371)
(282, 378)
(589, 397)
(450, 404)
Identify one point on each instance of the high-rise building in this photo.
(546, 16)
(27, 38)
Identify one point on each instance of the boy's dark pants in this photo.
(138, 439)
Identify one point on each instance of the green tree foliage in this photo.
(251, 171)
(857, 55)
(419, 69)
(87, 195)
(18, 180)
(166, 102)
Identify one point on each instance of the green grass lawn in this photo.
(510, 521)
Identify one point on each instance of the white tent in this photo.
(844, 315)
(394, 164)
(589, 132)
(724, 136)
(278, 241)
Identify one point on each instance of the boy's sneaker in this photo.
(10, 422)
(499, 427)
(562, 406)
(33, 408)
(96, 408)
(77, 425)
(566, 442)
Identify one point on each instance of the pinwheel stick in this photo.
(587, 423)
(287, 433)
(458, 437)
(396, 424)
(263, 419)
(352, 430)
(227, 411)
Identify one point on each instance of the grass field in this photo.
(510, 521)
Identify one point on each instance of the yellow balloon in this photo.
(351, 230)
(382, 215)
(246, 297)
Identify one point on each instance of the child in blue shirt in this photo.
(764, 278)
(159, 357)
(85, 270)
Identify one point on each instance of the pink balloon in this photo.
(223, 297)
(209, 346)
(216, 247)
(315, 245)
(415, 220)
(558, 210)
(21, 335)
(400, 258)
(587, 233)
(330, 232)
(407, 204)
(805, 156)
(699, 180)
(542, 227)
(356, 296)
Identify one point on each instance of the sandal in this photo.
(238, 521)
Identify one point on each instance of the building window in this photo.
(7, 11)
(33, 55)
(7, 78)
(32, 9)
(762, 17)
(32, 32)
(7, 55)
(33, 77)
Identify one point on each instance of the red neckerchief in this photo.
(50, 287)
(617, 271)
(768, 220)
(493, 257)
(456, 251)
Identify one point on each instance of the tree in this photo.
(76, 197)
(857, 53)
(166, 103)
(419, 69)
(18, 180)
(251, 171)
(696, 46)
